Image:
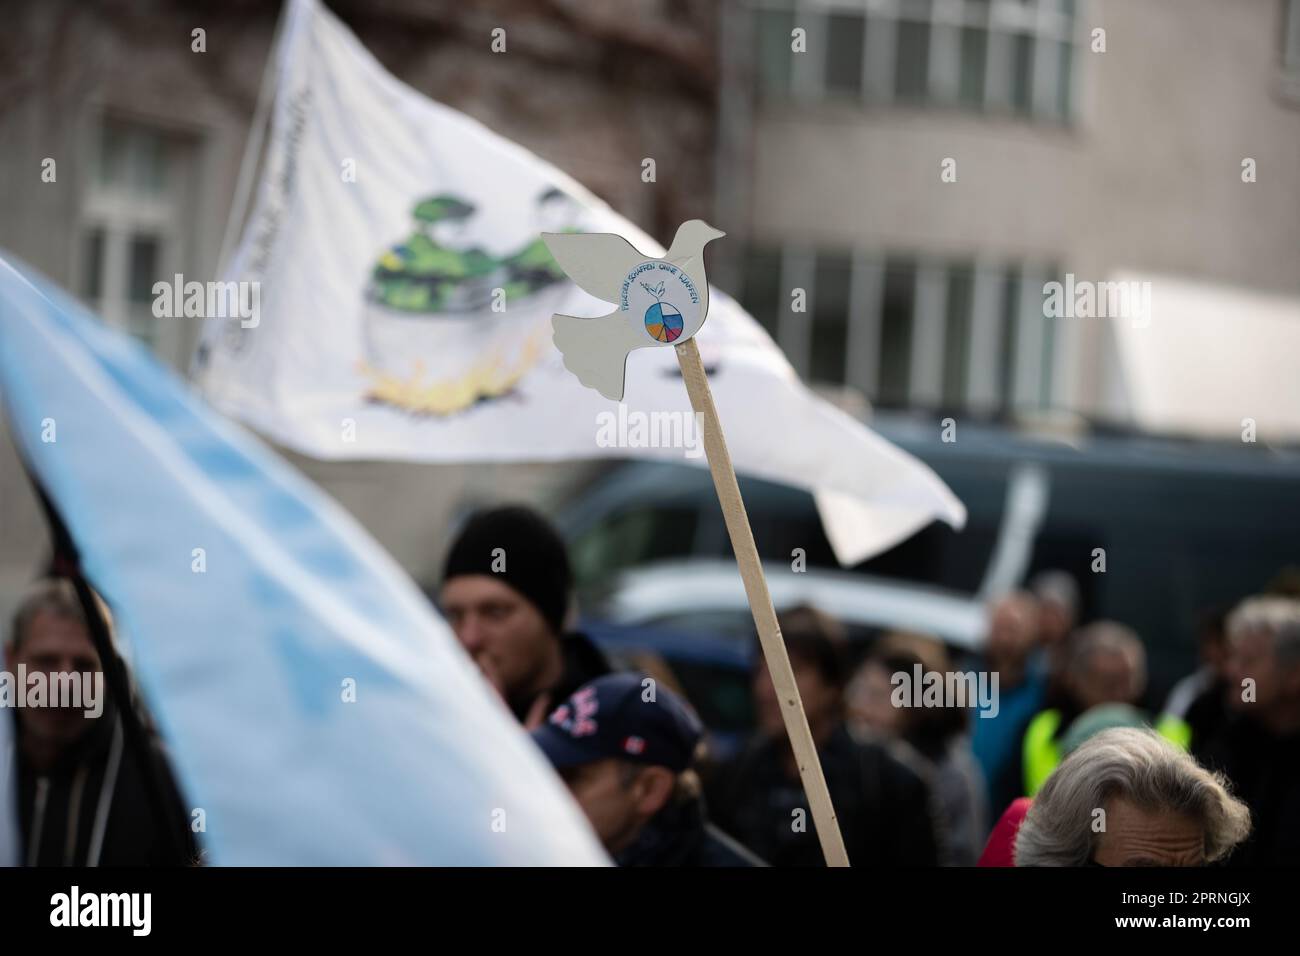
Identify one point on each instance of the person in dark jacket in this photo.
(624, 746)
(1197, 706)
(506, 591)
(86, 796)
(885, 807)
(1259, 748)
(936, 734)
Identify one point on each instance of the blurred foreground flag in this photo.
(316, 709)
(404, 311)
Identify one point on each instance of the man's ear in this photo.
(655, 789)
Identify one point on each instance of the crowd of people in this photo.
(1066, 769)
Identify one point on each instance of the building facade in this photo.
(919, 169)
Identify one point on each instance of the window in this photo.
(911, 61)
(974, 65)
(1291, 49)
(92, 264)
(1047, 375)
(774, 58)
(845, 42)
(1022, 48)
(144, 268)
(830, 317)
(761, 293)
(897, 307)
(956, 354)
(1013, 55)
(1009, 324)
(1291, 37)
(983, 343)
(134, 227)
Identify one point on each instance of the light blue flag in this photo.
(249, 605)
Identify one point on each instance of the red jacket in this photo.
(1001, 848)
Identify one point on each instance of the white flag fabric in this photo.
(405, 302)
(316, 709)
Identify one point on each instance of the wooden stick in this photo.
(760, 604)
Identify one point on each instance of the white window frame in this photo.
(1038, 371)
(1045, 22)
(121, 213)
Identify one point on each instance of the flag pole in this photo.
(760, 605)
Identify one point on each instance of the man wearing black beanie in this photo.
(505, 591)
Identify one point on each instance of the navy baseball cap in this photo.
(612, 717)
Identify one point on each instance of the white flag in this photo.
(403, 305)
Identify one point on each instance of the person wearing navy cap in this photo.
(625, 746)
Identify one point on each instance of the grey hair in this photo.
(1140, 766)
(55, 596)
(1274, 615)
(1110, 636)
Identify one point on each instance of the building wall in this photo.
(1145, 174)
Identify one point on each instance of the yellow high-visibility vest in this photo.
(1175, 730)
(1041, 753)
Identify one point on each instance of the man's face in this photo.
(1011, 629)
(618, 803)
(1054, 623)
(1135, 836)
(821, 700)
(1251, 656)
(501, 629)
(54, 644)
(1108, 678)
(870, 700)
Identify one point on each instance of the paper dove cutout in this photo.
(659, 301)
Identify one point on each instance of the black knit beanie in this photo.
(536, 563)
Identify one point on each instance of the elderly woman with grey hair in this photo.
(1127, 797)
